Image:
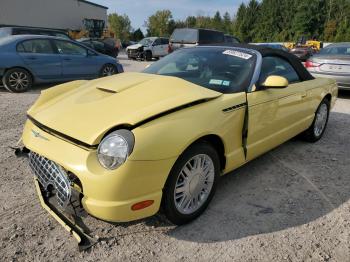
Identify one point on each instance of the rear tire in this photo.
(318, 127)
(17, 80)
(191, 186)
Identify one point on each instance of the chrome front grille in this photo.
(51, 174)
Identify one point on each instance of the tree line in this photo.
(256, 21)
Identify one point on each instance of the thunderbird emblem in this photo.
(37, 134)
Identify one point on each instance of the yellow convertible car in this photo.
(123, 146)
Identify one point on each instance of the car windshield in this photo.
(336, 50)
(226, 70)
(189, 36)
(146, 41)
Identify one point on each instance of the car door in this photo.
(165, 46)
(41, 58)
(275, 115)
(76, 62)
(157, 48)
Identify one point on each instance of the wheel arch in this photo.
(217, 143)
(328, 97)
(23, 68)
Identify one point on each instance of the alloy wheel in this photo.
(194, 184)
(18, 80)
(321, 120)
(108, 70)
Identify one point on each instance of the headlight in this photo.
(115, 148)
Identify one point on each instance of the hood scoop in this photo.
(122, 82)
(106, 90)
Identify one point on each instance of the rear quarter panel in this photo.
(317, 89)
(9, 58)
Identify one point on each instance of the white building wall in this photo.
(60, 14)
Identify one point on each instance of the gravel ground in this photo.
(291, 204)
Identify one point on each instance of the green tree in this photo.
(217, 22)
(245, 21)
(191, 21)
(227, 23)
(158, 24)
(137, 35)
(308, 18)
(203, 22)
(120, 25)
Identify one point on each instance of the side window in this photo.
(38, 46)
(272, 65)
(208, 37)
(68, 48)
(157, 42)
(165, 41)
(98, 46)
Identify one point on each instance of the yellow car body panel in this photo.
(91, 104)
(87, 110)
(277, 115)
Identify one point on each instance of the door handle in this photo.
(67, 59)
(303, 95)
(32, 58)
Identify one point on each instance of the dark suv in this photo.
(187, 37)
(7, 31)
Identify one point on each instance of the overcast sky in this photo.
(139, 10)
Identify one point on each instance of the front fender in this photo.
(169, 136)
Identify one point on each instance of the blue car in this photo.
(29, 59)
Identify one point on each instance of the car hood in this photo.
(85, 112)
(136, 46)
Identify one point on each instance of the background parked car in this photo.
(148, 48)
(332, 61)
(230, 39)
(107, 46)
(25, 60)
(8, 31)
(275, 46)
(125, 44)
(187, 37)
(303, 53)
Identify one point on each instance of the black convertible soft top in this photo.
(292, 59)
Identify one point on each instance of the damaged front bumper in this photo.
(70, 217)
(85, 241)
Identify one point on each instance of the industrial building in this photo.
(55, 14)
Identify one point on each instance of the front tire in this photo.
(318, 127)
(108, 70)
(17, 80)
(148, 56)
(191, 184)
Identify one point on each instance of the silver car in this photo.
(332, 61)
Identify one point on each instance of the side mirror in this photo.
(275, 82)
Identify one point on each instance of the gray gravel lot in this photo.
(291, 204)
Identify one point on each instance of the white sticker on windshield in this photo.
(226, 83)
(215, 82)
(237, 54)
